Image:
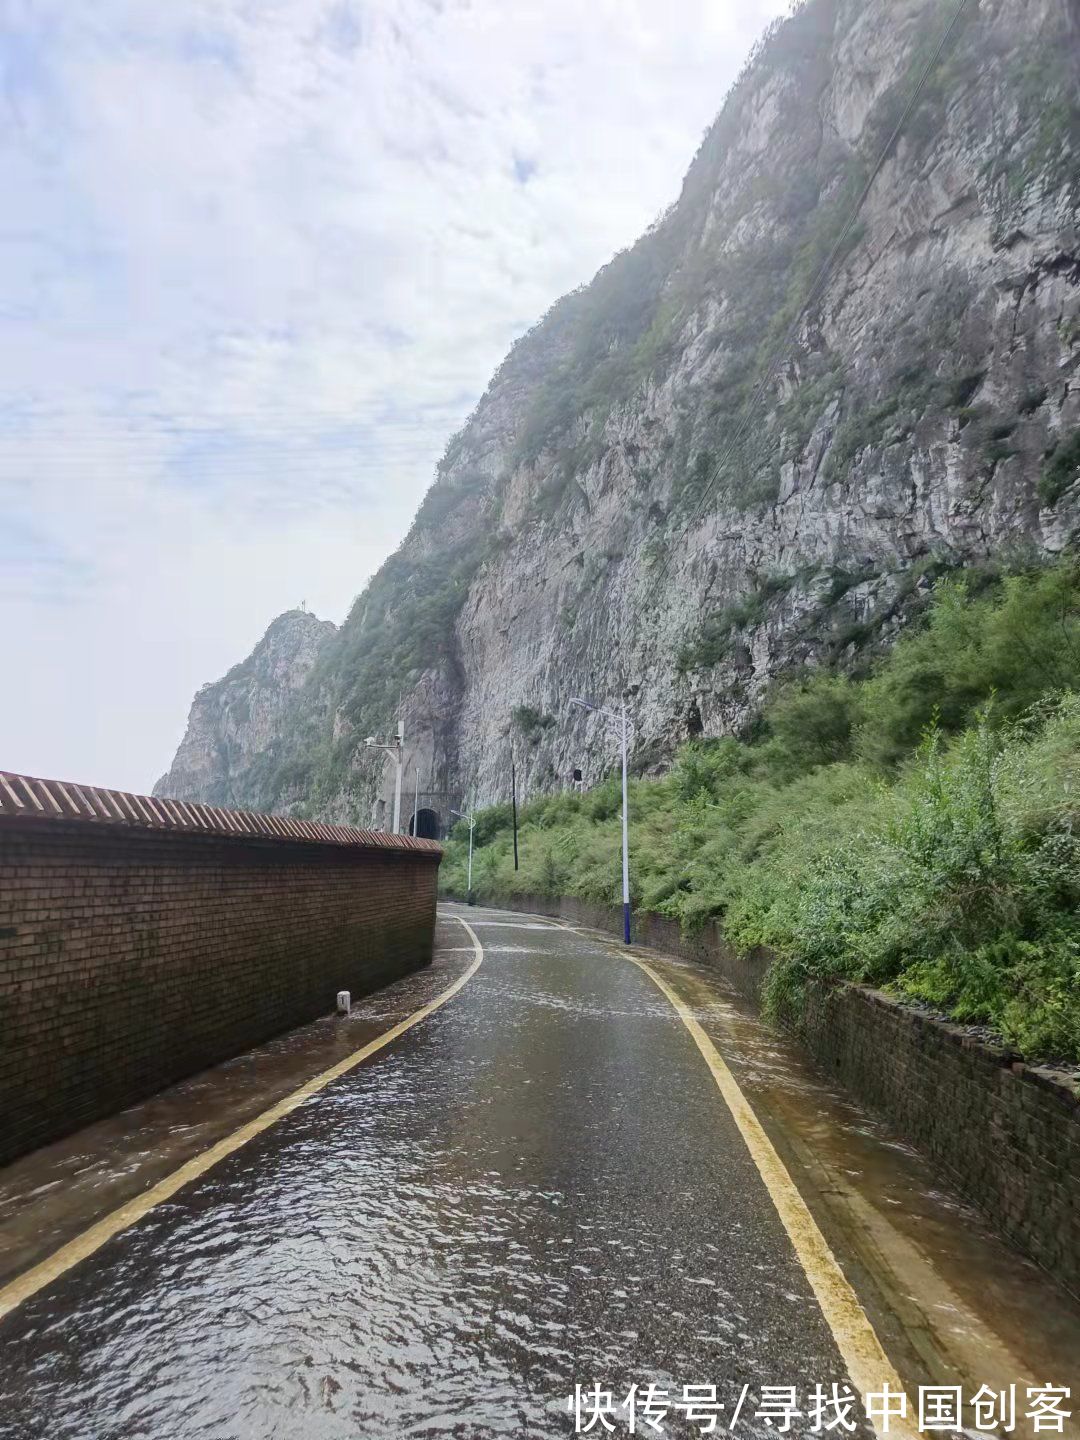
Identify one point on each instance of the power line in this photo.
(815, 292)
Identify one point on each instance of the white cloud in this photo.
(258, 261)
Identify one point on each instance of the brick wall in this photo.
(130, 958)
(1004, 1134)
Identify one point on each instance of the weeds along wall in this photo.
(133, 955)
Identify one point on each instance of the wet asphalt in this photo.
(536, 1187)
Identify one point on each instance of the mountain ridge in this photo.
(592, 529)
(234, 717)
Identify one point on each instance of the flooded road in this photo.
(537, 1186)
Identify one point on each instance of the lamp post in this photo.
(619, 718)
(513, 801)
(395, 748)
(472, 826)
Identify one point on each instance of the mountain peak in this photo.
(838, 367)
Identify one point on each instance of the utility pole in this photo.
(619, 718)
(416, 800)
(397, 776)
(625, 840)
(395, 748)
(513, 800)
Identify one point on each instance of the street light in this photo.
(392, 747)
(472, 826)
(619, 718)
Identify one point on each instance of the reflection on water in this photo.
(534, 1188)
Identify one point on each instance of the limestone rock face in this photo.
(751, 444)
(233, 723)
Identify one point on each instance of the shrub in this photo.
(919, 829)
(490, 822)
(531, 722)
(1020, 641)
(812, 722)
(703, 766)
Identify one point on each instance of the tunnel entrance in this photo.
(427, 825)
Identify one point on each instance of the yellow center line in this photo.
(84, 1245)
(867, 1364)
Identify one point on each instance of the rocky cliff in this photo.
(752, 442)
(234, 723)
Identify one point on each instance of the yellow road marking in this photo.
(84, 1245)
(867, 1364)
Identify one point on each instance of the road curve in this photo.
(535, 1188)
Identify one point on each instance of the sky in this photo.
(258, 261)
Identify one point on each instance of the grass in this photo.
(918, 829)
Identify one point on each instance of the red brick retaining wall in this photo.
(131, 956)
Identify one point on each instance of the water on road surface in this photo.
(535, 1187)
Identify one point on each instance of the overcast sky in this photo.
(258, 259)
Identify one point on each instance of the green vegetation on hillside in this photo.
(531, 723)
(401, 625)
(624, 328)
(711, 292)
(918, 829)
